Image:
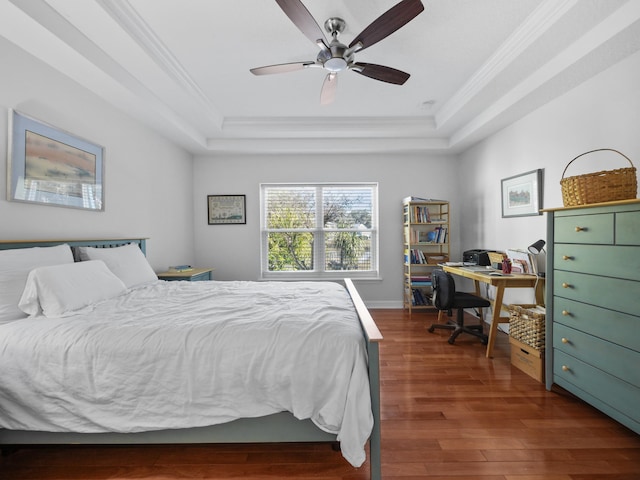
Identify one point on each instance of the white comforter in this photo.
(176, 354)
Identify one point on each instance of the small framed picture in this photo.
(226, 209)
(49, 166)
(522, 194)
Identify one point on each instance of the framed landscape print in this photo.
(522, 194)
(226, 209)
(51, 167)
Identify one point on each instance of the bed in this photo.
(330, 393)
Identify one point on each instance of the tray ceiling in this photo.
(182, 67)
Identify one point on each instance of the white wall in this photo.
(603, 112)
(147, 178)
(234, 250)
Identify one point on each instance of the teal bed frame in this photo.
(280, 427)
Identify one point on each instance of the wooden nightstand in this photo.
(194, 275)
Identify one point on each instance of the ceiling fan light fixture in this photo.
(335, 64)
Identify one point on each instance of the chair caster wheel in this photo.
(451, 341)
(431, 329)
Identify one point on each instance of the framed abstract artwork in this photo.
(522, 194)
(49, 166)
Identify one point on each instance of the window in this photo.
(319, 230)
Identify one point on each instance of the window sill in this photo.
(327, 278)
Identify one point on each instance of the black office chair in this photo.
(445, 298)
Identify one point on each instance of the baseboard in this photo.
(384, 304)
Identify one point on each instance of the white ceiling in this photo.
(182, 67)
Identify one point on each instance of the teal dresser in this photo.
(593, 294)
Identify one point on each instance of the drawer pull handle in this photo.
(567, 257)
(581, 229)
(565, 368)
(566, 313)
(566, 285)
(564, 340)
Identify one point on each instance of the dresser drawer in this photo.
(612, 293)
(627, 228)
(596, 229)
(616, 327)
(618, 361)
(610, 261)
(617, 397)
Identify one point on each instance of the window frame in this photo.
(319, 231)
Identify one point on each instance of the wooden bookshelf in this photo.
(426, 244)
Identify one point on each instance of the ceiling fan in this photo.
(336, 57)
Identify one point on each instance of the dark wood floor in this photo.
(448, 413)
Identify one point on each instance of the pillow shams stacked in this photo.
(15, 266)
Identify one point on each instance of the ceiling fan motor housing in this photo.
(336, 58)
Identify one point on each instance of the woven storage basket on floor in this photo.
(527, 325)
(604, 186)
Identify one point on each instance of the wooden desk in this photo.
(516, 280)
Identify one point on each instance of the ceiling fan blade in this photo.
(380, 72)
(387, 23)
(329, 88)
(300, 16)
(281, 68)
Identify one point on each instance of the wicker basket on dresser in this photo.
(593, 306)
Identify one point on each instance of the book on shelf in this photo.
(414, 256)
(418, 298)
(440, 234)
(420, 214)
(437, 235)
(420, 278)
(180, 268)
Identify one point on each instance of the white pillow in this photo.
(15, 265)
(128, 263)
(61, 290)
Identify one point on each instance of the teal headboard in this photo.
(104, 243)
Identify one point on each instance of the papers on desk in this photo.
(479, 268)
(459, 264)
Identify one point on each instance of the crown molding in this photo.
(327, 127)
(541, 20)
(310, 146)
(614, 38)
(126, 16)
